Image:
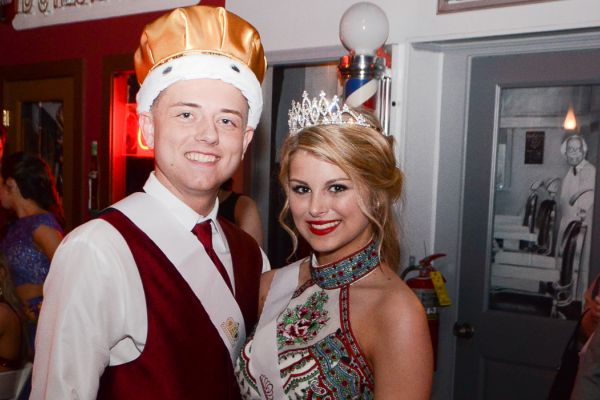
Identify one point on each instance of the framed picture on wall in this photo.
(534, 147)
(448, 6)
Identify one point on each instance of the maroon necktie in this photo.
(203, 232)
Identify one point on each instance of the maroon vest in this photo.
(184, 357)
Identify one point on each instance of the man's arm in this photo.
(82, 316)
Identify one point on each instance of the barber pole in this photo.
(360, 88)
(365, 71)
(367, 83)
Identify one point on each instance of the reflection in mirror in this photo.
(42, 133)
(543, 199)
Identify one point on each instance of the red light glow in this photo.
(141, 143)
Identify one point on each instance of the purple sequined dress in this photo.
(26, 262)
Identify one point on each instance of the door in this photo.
(41, 121)
(518, 302)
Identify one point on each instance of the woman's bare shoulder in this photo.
(398, 300)
(388, 299)
(395, 336)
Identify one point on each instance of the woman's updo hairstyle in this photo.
(35, 181)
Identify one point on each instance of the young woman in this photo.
(27, 188)
(339, 324)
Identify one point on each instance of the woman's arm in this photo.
(47, 239)
(402, 356)
(248, 218)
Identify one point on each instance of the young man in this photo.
(139, 304)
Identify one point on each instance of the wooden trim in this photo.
(448, 6)
(72, 69)
(110, 65)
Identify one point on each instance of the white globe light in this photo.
(364, 28)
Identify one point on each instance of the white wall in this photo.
(298, 24)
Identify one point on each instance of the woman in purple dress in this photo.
(27, 188)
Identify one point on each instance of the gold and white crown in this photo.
(321, 111)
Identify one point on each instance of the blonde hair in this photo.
(367, 157)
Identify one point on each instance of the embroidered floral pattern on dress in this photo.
(302, 323)
(335, 375)
(319, 356)
(247, 381)
(267, 387)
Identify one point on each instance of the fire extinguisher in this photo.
(429, 287)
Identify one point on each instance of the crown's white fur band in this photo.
(199, 66)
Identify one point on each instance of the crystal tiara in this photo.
(311, 112)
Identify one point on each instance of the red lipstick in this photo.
(322, 231)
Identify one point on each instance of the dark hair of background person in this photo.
(35, 181)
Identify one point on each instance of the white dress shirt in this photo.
(94, 312)
(572, 184)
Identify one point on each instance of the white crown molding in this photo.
(43, 13)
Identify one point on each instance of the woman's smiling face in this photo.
(324, 203)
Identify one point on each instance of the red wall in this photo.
(87, 41)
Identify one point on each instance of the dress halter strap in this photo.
(347, 270)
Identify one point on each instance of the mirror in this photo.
(544, 185)
(42, 124)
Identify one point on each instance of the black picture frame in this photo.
(450, 6)
(534, 147)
